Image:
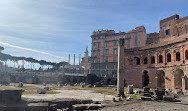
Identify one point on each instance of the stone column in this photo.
(69, 59)
(120, 70)
(86, 67)
(79, 59)
(183, 83)
(74, 59)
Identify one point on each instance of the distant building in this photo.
(104, 52)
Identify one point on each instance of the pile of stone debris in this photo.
(10, 100)
(158, 94)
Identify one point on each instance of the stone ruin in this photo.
(159, 94)
(10, 100)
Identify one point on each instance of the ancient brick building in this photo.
(163, 62)
(104, 49)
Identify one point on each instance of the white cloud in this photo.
(32, 50)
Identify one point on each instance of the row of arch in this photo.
(160, 58)
(74, 80)
(160, 76)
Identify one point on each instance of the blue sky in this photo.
(51, 29)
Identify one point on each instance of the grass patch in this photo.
(30, 89)
(97, 89)
(133, 96)
(104, 90)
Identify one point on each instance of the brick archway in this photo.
(145, 79)
(178, 73)
(160, 74)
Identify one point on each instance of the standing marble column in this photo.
(120, 70)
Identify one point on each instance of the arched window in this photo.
(160, 59)
(177, 56)
(137, 61)
(186, 54)
(152, 59)
(145, 60)
(168, 57)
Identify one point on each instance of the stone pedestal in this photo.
(130, 89)
(20, 84)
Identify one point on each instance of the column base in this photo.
(121, 95)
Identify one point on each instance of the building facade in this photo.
(104, 53)
(163, 62)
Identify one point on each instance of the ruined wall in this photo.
(134, 76)
(16, 78)
(171, 65)
(152, 38)
(49, 79)
(29, 79)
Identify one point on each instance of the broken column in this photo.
(183, 82)
(69, 59)
(86, 67)
(74, 59)
(120, 70)
(79, 59)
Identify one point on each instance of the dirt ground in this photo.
(149, 106)
(76, 94)
(153, 106)
(135, 106)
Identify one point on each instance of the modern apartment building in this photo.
(104, 50)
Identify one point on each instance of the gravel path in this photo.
(149, 106)
(153, 106)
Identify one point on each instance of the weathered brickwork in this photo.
(163, 62)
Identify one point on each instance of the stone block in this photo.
(94, 106)
(89, 86)
(146, 98)
(147, 94)
(146, 89)
(20, 84)
(10, 96)
(160, 94)
(117, 99)
(137, 91)
(86, 101)
(130, 89)
(42, 90)
(80, 107)
(169, 98)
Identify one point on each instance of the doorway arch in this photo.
(74, 81)
(145, 79)
(178, 73)
(109, 82)
(68, 80)
(160, 79)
